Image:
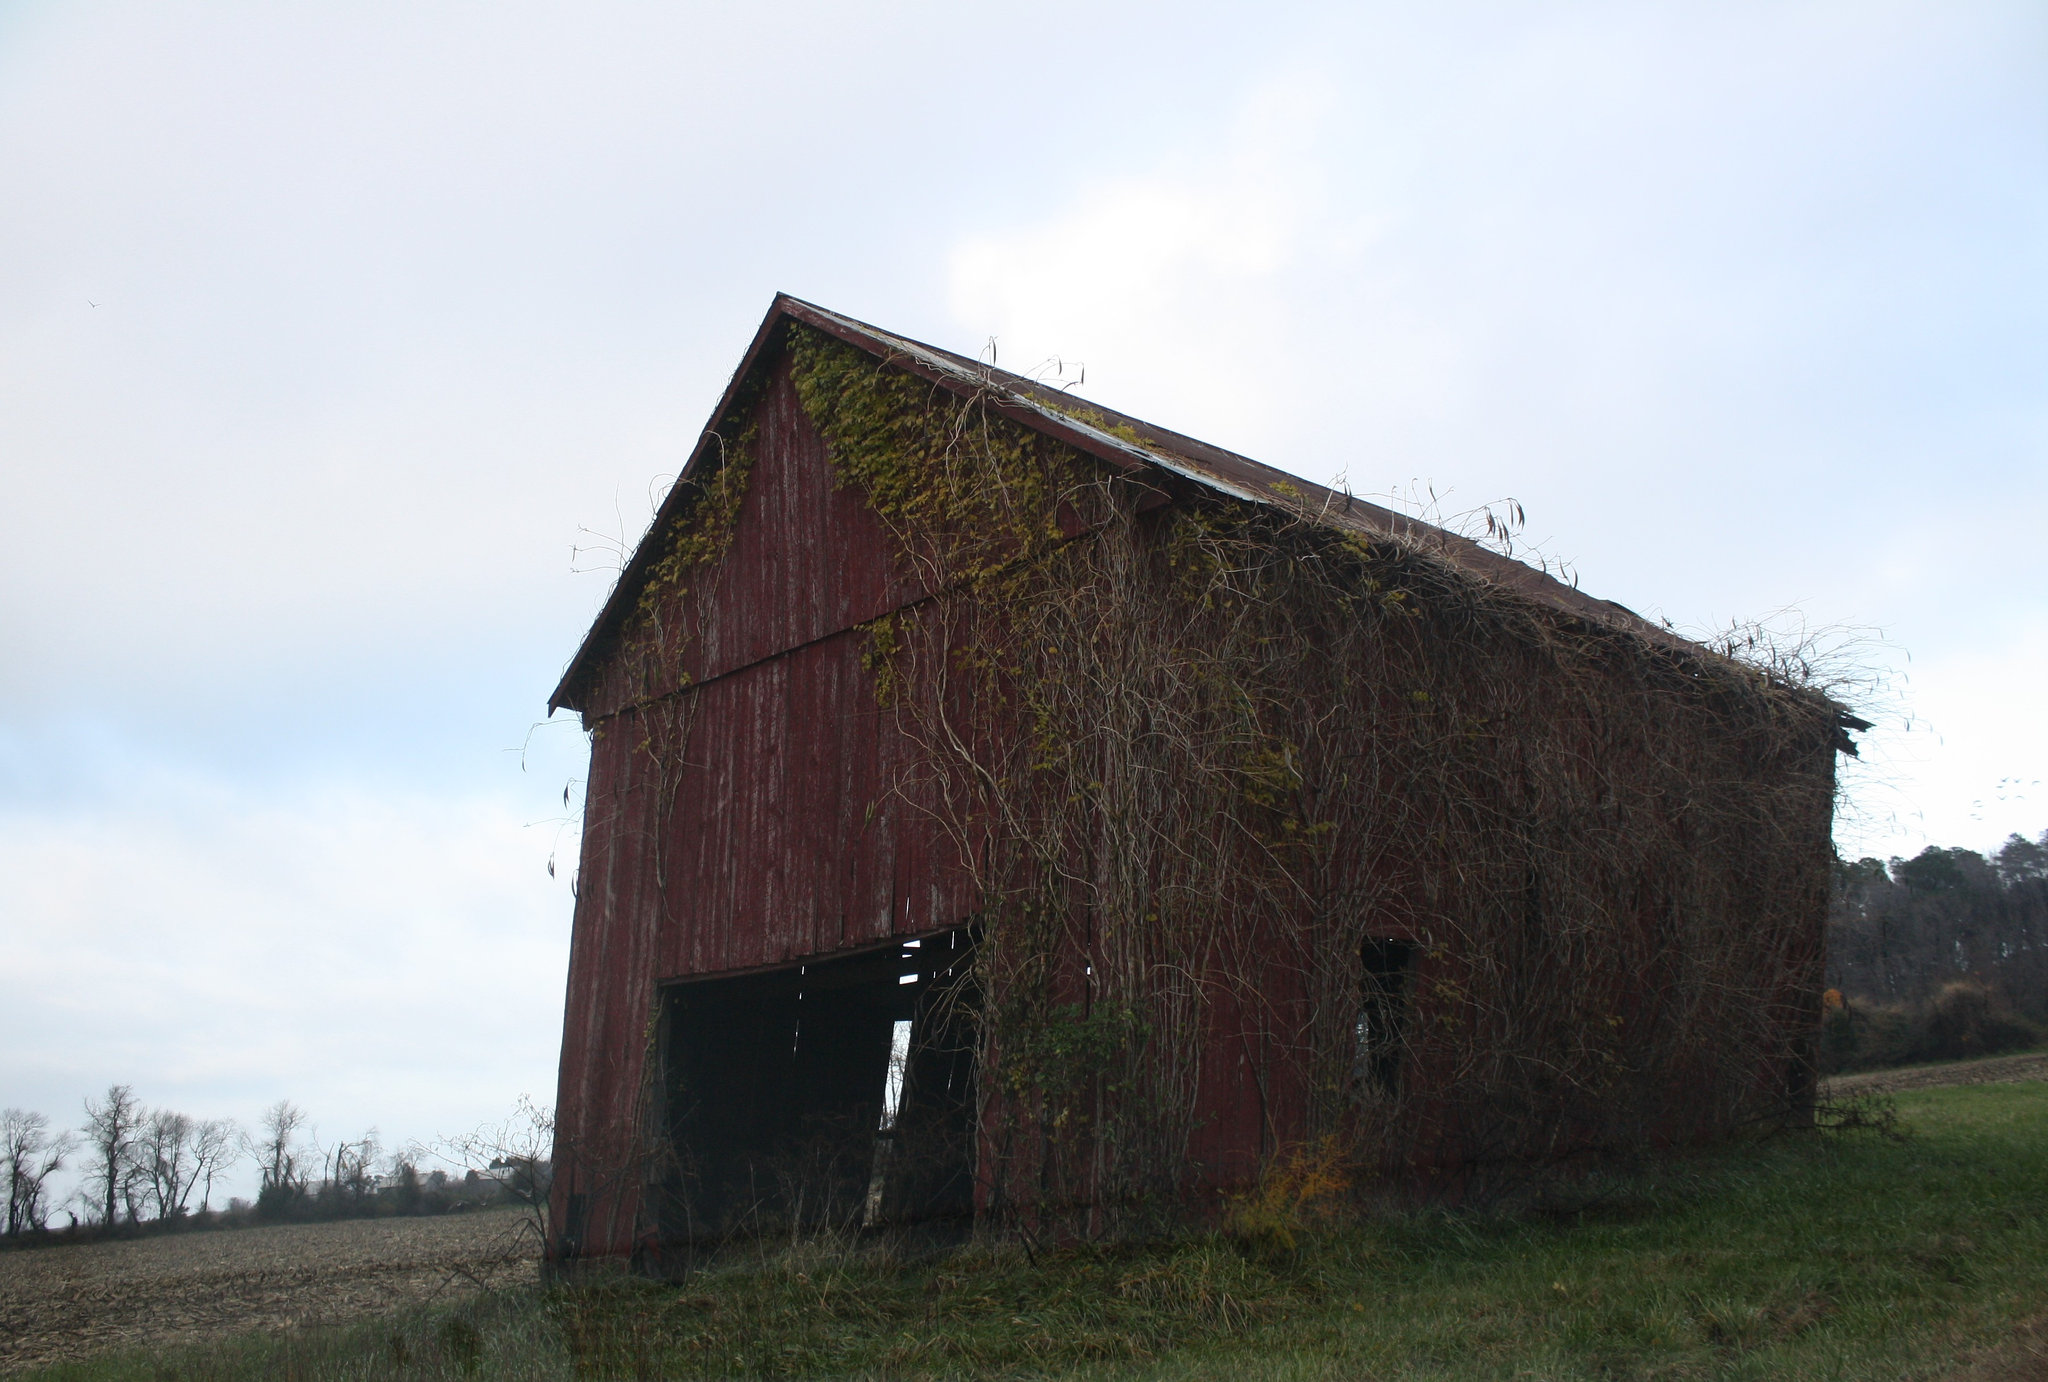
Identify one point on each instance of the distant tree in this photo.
(278, 1153)
(2021, 860)
(110, 1129)
(350, 1177)
(516, 1152)
(29, 1155)
(1902, 932)
(163, 1161)
(216, 1145)
(1935, 870)
(175, 1154)
(406, 1191)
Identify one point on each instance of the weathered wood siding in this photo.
(807, 560)
(749, 804)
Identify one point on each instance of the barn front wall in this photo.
(806, 559)
(749, 805)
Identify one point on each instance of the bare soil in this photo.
(2033, 1065)
(64, 1302)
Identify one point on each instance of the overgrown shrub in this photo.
(1962, 1021)
(1300, 1191)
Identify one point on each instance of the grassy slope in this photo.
(1842, 1256)
(1851, 1258)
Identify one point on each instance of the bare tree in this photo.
(163, 1157)
(168, 1161)
(110, 1129)
(29, 1155)
(517, 1152)
(349, 1177)
(277, 1153)
(216, 1145)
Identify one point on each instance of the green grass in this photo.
(1828, 1256)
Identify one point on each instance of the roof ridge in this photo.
(1122, 440)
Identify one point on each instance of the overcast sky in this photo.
(328, 333)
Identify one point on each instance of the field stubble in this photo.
(2029, 1065)
(64, 1302)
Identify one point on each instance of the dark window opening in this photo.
(831, 1094)
(1381, 1029)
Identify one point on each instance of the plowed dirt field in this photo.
(64, 1302)
(1989, 1070)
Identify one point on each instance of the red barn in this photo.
(1006, 812)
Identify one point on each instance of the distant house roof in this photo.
(1125, 442)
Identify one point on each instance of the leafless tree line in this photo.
(141, 1165)
(146, 1163)
(30, 1153)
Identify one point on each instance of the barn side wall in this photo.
(1611, 861)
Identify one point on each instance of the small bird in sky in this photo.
(90, 303)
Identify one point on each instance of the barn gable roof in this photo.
(1127, 443)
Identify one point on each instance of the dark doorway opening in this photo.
(1382, 1026)
(832, 1094)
